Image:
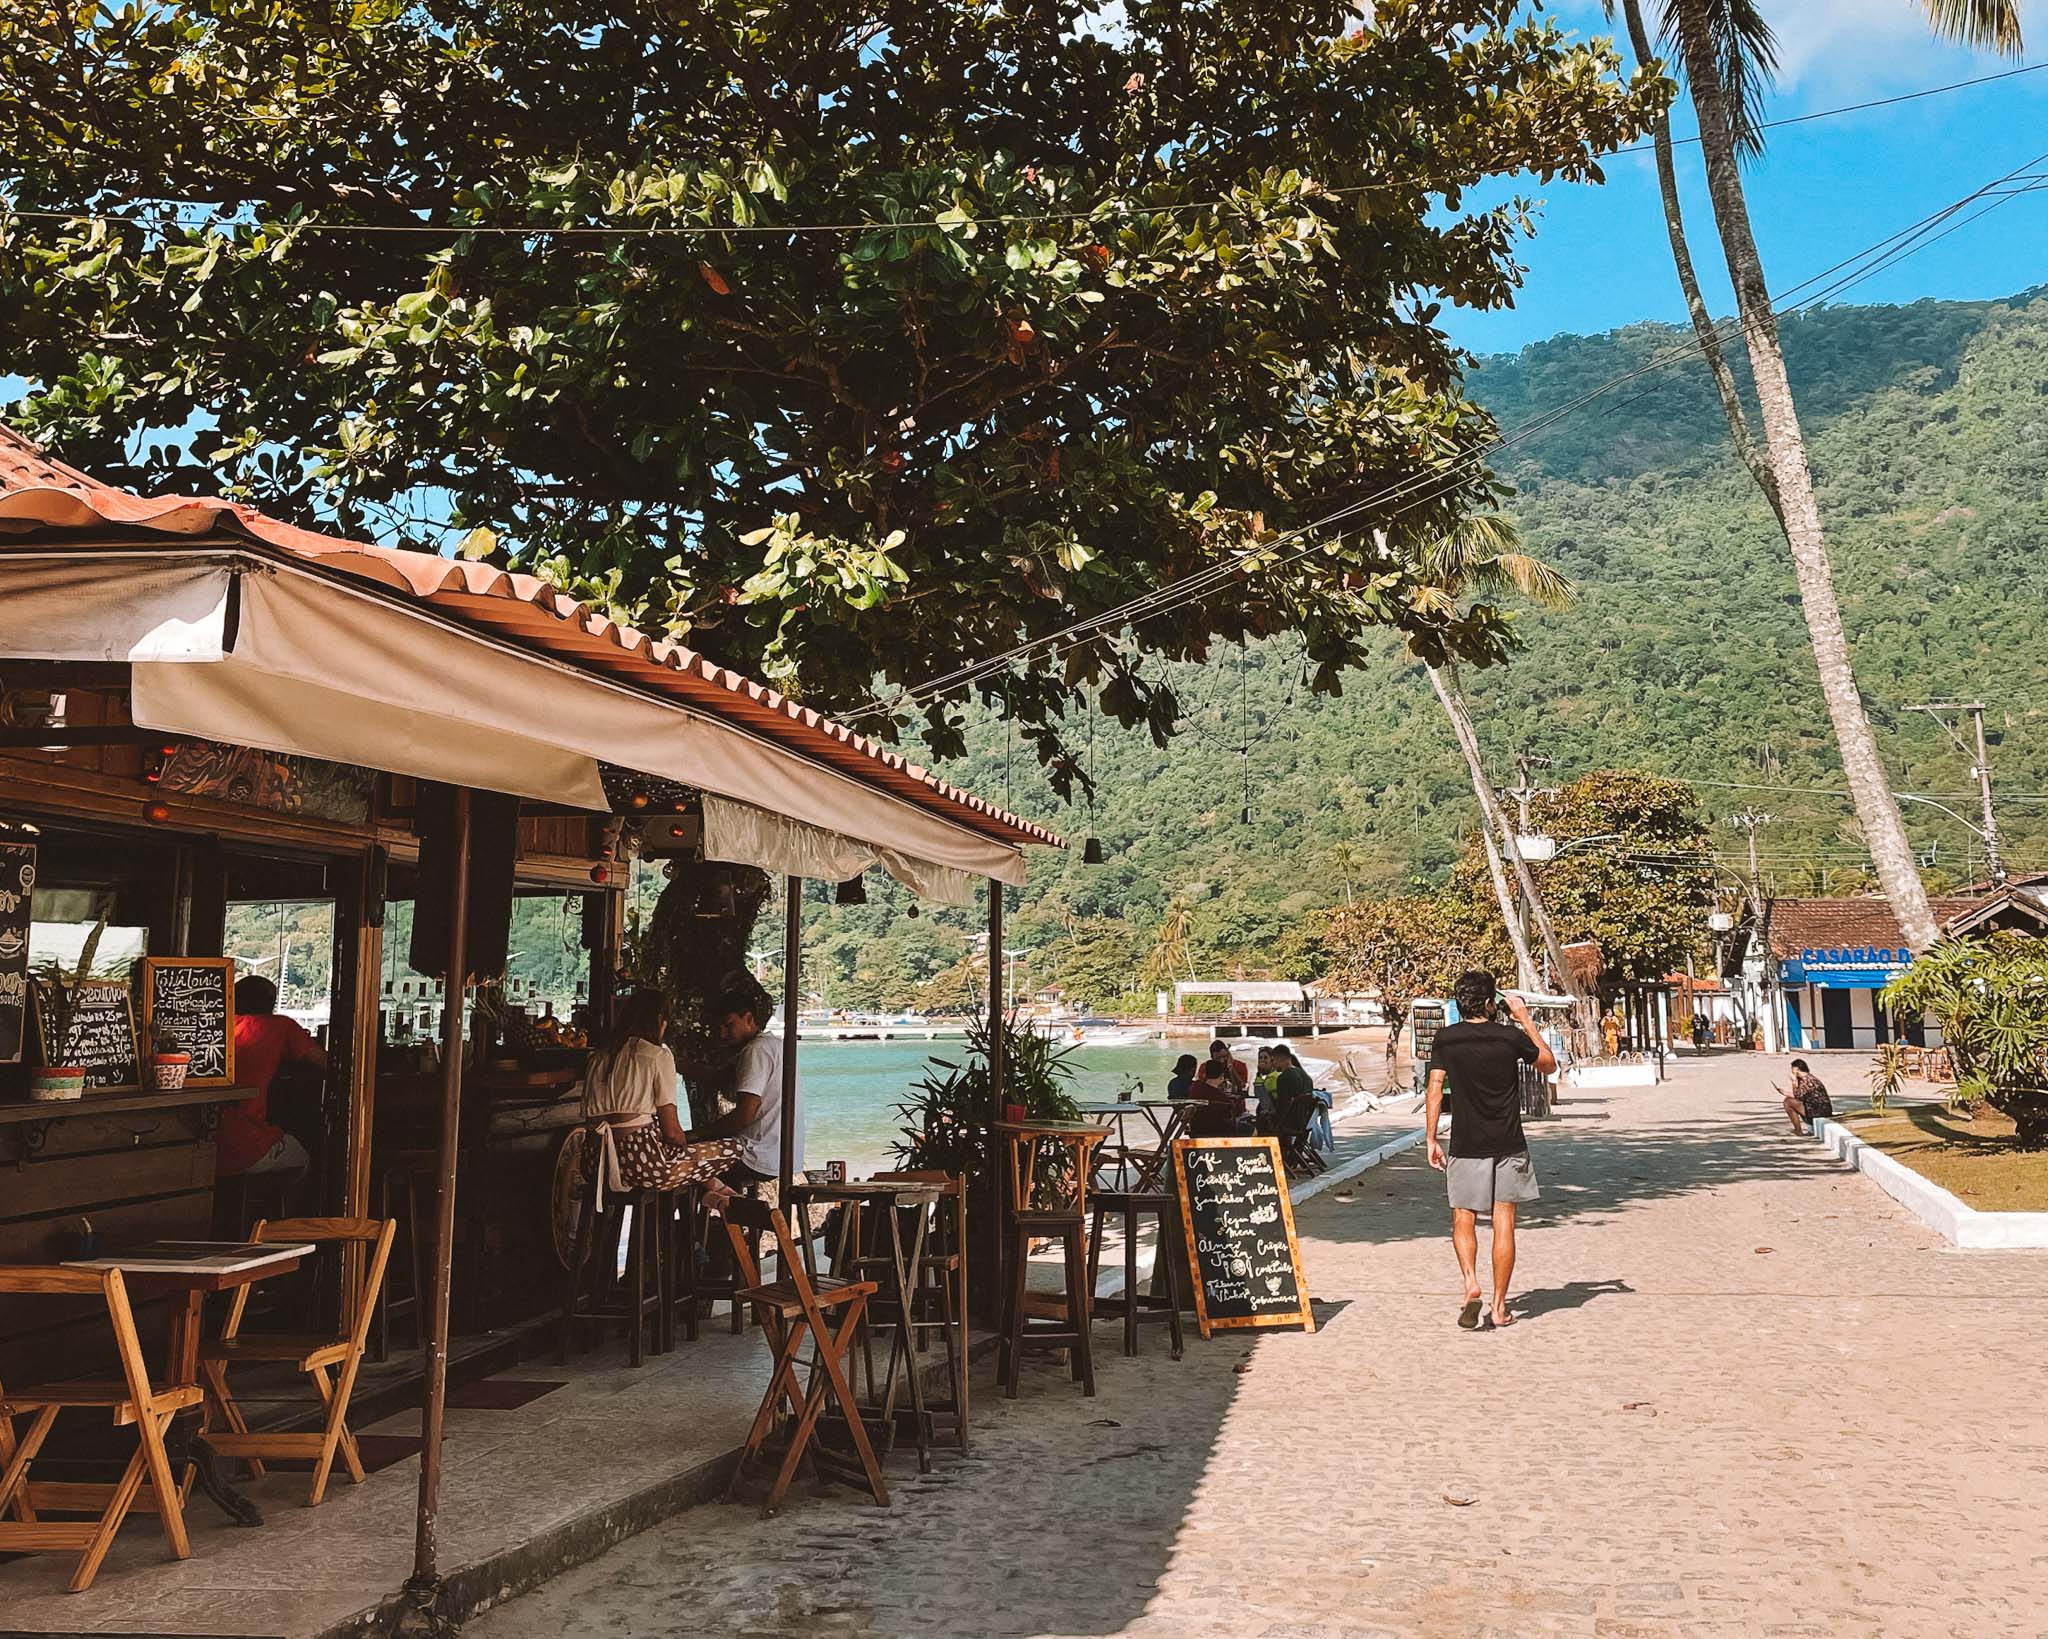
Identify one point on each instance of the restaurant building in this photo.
(232, 746)
(1828, 959)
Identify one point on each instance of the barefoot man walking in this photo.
(1488, 1169)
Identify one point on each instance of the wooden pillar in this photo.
(424, 1586)
(363, 910)
(997, 1069)
(792, 961)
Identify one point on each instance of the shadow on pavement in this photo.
(1573, 1294)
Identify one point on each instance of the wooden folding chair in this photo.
(317, 1356)
(792, 1310)
(129, 1401)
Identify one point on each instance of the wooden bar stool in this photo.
(405, 1178)
(1132, 1302)
(1052, 1207)
(592, 1290)
(939, 1305)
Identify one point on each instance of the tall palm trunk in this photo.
(1492, 824)
(1876, 810)
(1753, 456)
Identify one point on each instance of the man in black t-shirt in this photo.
(1488, 1169)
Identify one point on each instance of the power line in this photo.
(208, 218)
(1886, 253)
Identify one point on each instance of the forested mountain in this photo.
(1928, 428)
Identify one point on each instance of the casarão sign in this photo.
(1847, 967)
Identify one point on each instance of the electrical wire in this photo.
(211, 218)
(1855, 269)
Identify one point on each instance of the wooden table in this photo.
(188, 1270)
(904, 1269)
(1151, 1167)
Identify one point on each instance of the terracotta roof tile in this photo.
(1844, 924)
(38, 494)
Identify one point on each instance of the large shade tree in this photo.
(1727, 53)
(1099, 304)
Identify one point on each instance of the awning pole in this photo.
(792, 957)
(424, 1587)
(996, 1067)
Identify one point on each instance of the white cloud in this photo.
(1854, 46)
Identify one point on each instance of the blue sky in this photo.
(1822, 191)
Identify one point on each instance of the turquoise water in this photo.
(849, 1088)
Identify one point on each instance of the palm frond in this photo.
(1536, 580)
(1993, 23)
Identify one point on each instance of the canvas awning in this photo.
(237, 645)
(240, 627)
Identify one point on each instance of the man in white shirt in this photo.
(756, 1116)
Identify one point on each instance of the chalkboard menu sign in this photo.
(102, 1038)
(17, 888)
(192, 998)
(1240, 1228)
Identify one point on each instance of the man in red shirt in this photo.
(265, 1041)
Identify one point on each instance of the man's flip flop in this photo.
(1503, 1323)
(1468, 1317)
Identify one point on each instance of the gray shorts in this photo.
(1476, 1182)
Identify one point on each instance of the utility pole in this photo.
(1751, 821)
(1525, 761)
(1940, 711)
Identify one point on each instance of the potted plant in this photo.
(59, 992)
(168, 1061)
(948, 1116)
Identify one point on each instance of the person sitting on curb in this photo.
(1808, 1100)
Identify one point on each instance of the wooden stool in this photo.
(940, 1302)
(682, 1228)
(1131, 1302)
(1067, 1148)
(1066, 1330)
(399, 1175)
(593, 1269)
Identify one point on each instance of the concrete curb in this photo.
(1955, 1221)
(1348, 1170)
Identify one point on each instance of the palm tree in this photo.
(1483, 554)
(1727, 52)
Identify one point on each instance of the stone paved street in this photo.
(1748, 1396)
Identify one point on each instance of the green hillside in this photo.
(1928, 428)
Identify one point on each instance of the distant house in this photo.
(1814, 975)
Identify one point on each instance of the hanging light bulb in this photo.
(853, 891)
(913, 913)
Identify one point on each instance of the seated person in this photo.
(1293, 1093)
(1182, 1082)
(755, 1120)
(1808, 1100)
(265, 1041)
(1220, 1083)
(1266, 1084)
(629, 1093)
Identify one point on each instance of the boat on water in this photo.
(1092, 1032)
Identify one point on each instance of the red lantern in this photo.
(157, 813)
(600, 874)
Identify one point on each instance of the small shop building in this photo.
(1829, 958)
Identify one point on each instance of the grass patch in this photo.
(1974, 1159)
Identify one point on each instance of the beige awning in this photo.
(238, 646)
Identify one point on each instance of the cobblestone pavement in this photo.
(1748, 1395)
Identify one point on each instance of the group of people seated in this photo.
(1279, 1100)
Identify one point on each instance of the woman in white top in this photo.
(629, 1099)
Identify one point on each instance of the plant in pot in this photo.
(58, 992)
(948, 1116)
(168, 1061)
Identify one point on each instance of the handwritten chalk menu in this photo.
(17, 889)
(192, 999)
(102, 1037)
(1240, 1228)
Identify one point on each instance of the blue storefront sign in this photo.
(1849, 967)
